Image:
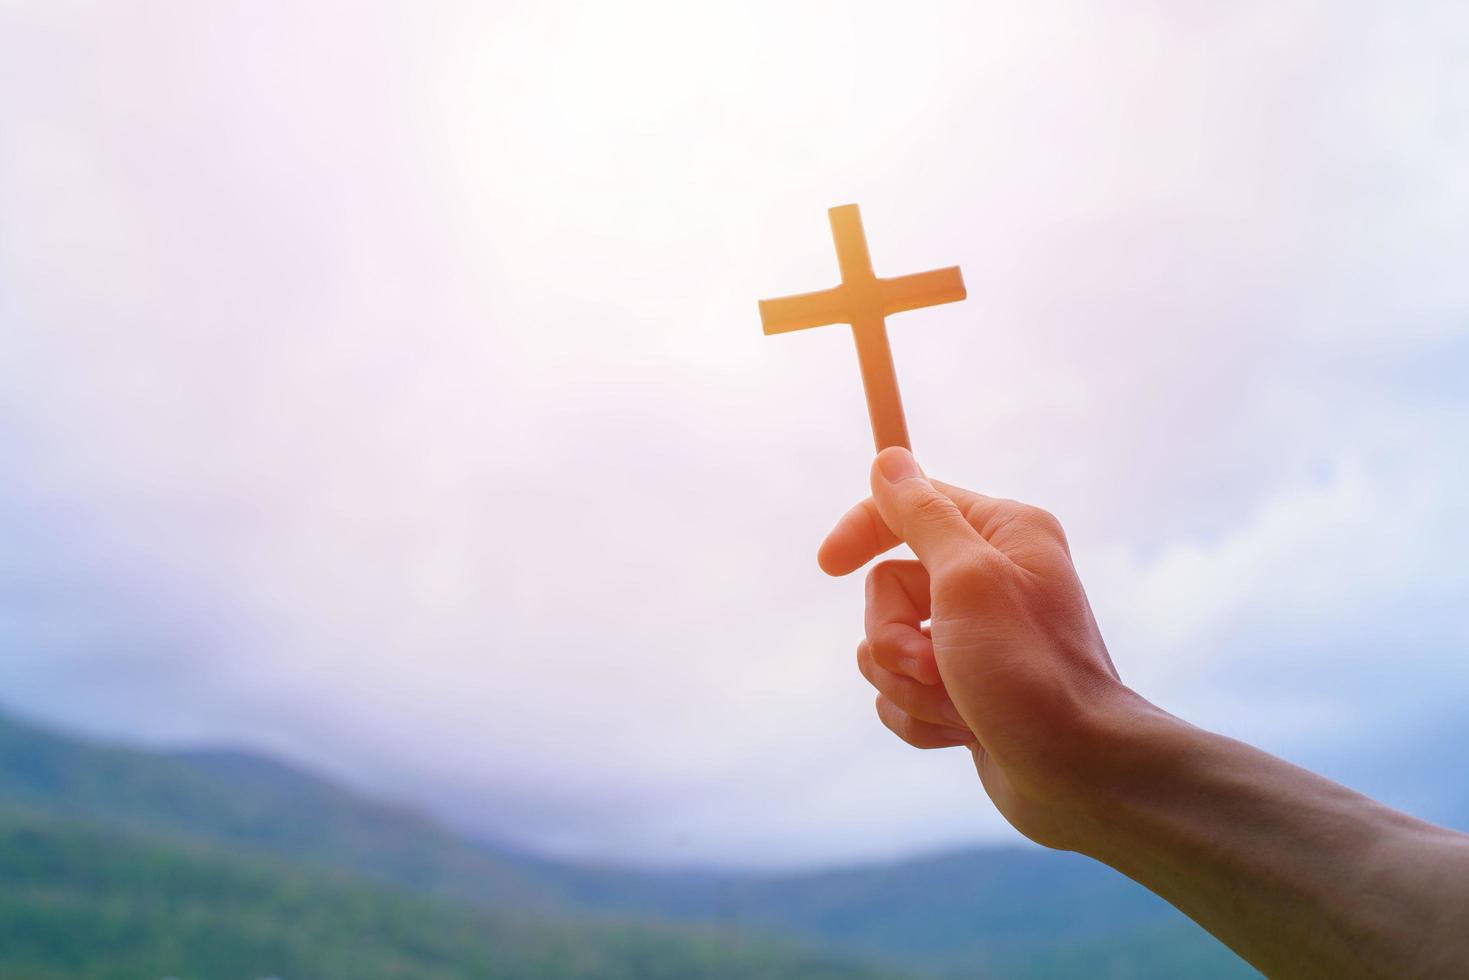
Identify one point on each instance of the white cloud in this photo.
(387, 390)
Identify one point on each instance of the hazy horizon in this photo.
(385, 391)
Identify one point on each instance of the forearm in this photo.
(1299, 875)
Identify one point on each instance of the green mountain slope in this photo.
(999, 911)
(78, 903)
(248, 801)
(1010, 911)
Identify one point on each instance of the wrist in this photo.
(1121, 747)
(1074, 773)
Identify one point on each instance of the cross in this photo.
(864, 301)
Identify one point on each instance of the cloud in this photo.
(387, 391)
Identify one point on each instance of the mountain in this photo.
(1002, 912)
(249, 801)
(1009, 912)
(84, 904)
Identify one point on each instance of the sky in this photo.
(382, 387)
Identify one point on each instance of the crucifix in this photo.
(864, 301)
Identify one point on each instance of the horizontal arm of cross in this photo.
(804, 310)
(836, 305)
(921, 289)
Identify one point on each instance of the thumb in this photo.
(919, 513)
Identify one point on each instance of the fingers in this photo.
(897, 605)
(920, 701)
(905, 650)
(919, 734)
(858, 537)
(919, 513)
(862, 534)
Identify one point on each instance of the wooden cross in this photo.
(863, 300)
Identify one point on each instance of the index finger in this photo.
(861, 534)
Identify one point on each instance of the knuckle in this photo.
(909, 729)
(932, 508)
(881, 704)
(1043, 520)
(881, 574)
(892, 716)
(887, 640)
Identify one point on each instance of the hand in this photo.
(1013, 664)
(1302, 877)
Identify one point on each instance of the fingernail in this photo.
(909, 666)
(897, 464)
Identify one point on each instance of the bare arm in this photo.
(1300, 876)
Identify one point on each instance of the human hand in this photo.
(1013, 664)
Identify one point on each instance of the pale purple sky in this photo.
(382, 385)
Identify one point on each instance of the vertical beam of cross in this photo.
(865, 301)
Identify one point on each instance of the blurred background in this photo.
(407, 534)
